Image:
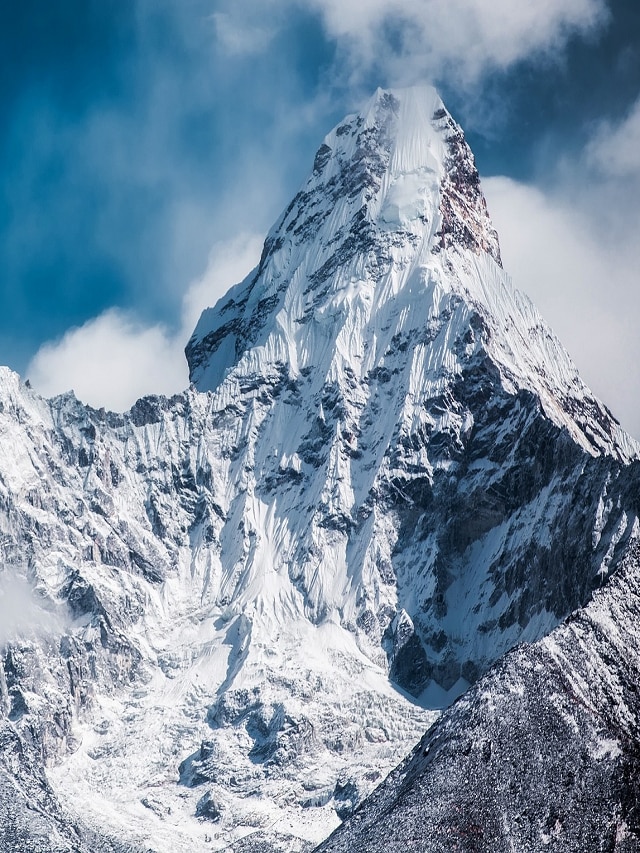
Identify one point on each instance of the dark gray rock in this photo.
(207, 808)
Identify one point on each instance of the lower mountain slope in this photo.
(139, 703)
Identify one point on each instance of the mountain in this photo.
(241, 606)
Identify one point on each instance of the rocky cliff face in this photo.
(387, 472)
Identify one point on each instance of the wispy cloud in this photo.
(22, 612)
(228, 264)
(572, 245)
(400, 42)
(241, 37)
(463, 39)
(614, 150)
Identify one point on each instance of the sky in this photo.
(147, 146)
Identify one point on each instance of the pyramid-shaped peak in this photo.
(400, 130)
(401, 162)
(414, 121)
(410, 121)
(390, 222)
(394, 185)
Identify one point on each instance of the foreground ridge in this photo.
(541, 754)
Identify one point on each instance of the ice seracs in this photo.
(386, 473)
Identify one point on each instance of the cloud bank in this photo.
(114, 359)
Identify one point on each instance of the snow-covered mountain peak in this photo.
(416, 167)
(393, 186)
(388, 472)
(417, 143)
(399, 157)
(393, 148)
(366, 354)
(389, 233)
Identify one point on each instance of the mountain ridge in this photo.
(541, 753)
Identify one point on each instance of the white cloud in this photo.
(615, 150)
(22, 613)
(582, 278)
(460, 38)
(112, 360)
(573, 248)
(228, 264)
(403, 40)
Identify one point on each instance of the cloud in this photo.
(581, 272)
(115, 209)
(397, 42)
(229, 263)
(241, 38)
(112, 360)
(459, 38)
(614, 150)
(116, 191)
(22, 612)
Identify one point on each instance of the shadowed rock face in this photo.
(543, 753)
(519, 503)
(387, 467)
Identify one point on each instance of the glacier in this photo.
(386, 473)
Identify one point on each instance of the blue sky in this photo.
(147, 146)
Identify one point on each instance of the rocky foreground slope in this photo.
(241, 606)
(543, 753)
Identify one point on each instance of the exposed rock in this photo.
(541, 754)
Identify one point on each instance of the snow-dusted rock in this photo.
(543, 753)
